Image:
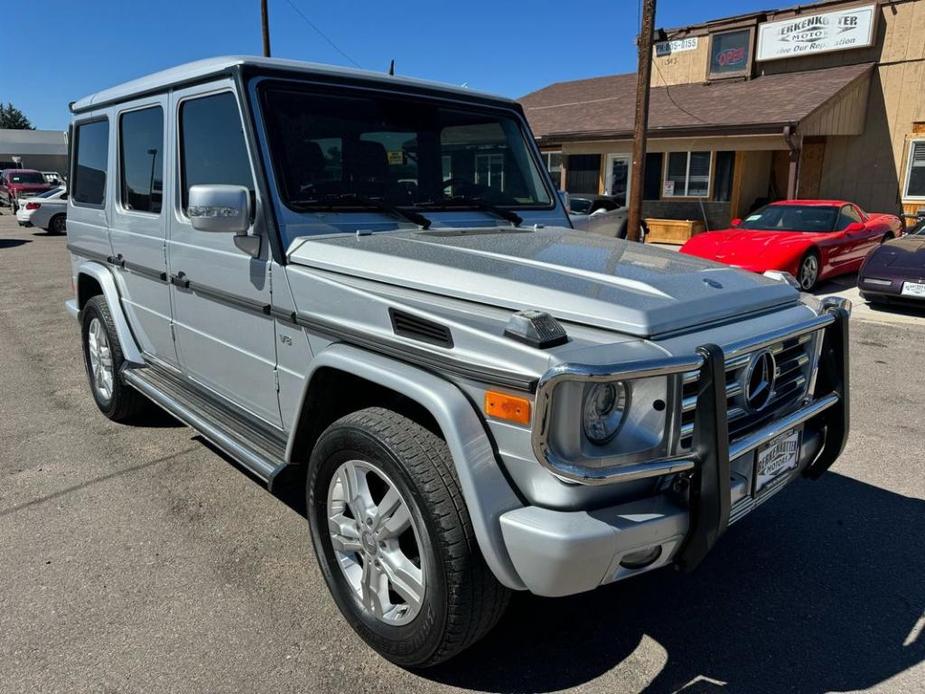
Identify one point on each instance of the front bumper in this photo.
(560, 553)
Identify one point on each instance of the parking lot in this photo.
(138, 559)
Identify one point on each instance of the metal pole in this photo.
(643, 76)
(265, 22)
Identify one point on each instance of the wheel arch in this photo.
(429, 400)
(96, 279)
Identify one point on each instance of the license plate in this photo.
(776, 457)
(913, 289)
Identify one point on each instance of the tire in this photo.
(461, 599)
(58, 224)
(809, 264)
(888, 236)
(118, 402)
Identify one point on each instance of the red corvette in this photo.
(810, 239)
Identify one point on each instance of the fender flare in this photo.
(486, 491)
(103, 276)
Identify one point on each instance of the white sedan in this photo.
(47, 210)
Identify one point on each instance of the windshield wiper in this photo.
(479, 204)
(334, 202)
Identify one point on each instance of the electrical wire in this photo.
(671, 98)
(321, 33)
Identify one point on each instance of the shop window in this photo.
(722, 176)
(583, 174)
(730, 54)
(553, 163)
(915, 171)
(688, 175)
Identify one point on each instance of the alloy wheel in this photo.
(376, 542)
(101, 371)
(809, 271)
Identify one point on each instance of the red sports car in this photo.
(810, 239)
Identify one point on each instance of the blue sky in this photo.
(60, 50)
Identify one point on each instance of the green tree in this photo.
(11, 117)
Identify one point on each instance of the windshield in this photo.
(811, 218)
(365, 151)
(26, 177)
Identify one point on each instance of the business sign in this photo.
(817, 33)
(664, 48)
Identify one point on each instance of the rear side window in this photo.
(141, 139)
(92, 148)
(212, 145)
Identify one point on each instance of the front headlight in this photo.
(604, 411)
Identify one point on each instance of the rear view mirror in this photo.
(221, 208)
(854, 227)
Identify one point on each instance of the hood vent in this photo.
(421, 329)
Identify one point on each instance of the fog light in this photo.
(642, 558)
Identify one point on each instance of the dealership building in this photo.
(824, 100)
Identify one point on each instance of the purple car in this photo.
(894, 272)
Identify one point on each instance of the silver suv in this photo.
(368, 287)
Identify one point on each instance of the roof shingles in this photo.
(604, 106)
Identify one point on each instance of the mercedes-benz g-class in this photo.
(367, 285)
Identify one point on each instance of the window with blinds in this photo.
(915, 175)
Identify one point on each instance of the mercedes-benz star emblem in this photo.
(759, 380)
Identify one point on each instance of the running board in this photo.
(255, 447)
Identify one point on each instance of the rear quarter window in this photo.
(91, 158)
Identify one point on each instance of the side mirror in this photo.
(220, 208)
(854, 228)
(735, 222)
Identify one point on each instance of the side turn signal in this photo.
(507, 407)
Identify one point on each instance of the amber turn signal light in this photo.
(507, 407)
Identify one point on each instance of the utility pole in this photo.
(265, 22)
(643, 77)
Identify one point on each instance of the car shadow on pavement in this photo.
(12, 243)
(821, 589)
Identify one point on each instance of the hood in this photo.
(584, 278)
(902, 254)
(748, 248)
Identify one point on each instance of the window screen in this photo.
(212, 145)
(92, 156)
(141, 141)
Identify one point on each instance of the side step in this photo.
(256, 447)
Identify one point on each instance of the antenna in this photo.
(392, 66)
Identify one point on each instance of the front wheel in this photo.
(808, 273)
(394, 539)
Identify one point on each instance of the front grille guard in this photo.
(708, 461)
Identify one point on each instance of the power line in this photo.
(321, 33)
(671, 98)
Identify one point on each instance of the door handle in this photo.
(180, 280)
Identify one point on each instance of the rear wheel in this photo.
(808, 274)
(394, 539)
(58, 224)
(103, 360)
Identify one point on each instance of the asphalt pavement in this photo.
(136, 559)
